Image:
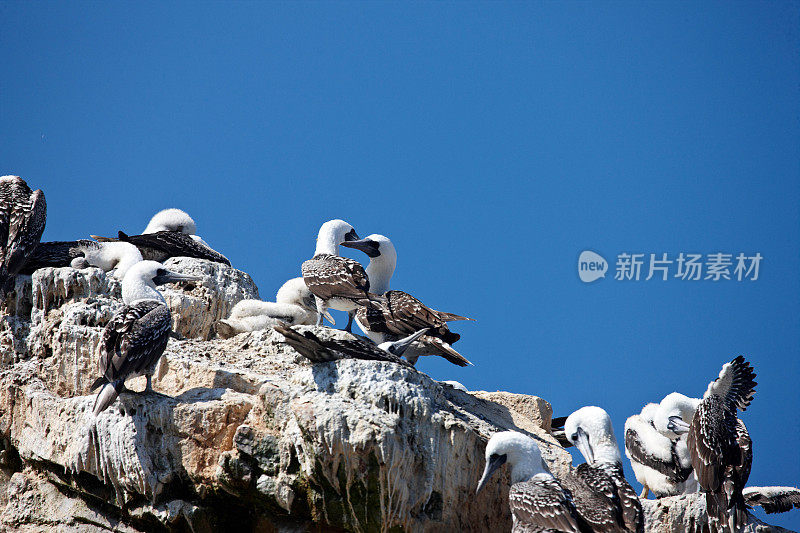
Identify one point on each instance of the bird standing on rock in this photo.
(137, 335)
(337, 282)
(402, 314)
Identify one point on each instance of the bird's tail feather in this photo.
(98, 238)
(450, 317)
(447, 351)
(306, 344)
(99, 381)
(107, 395)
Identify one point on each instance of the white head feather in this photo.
(295, 291)
(138, 282)
(116, 255)
(171, 220)
(674, 404)
(522, 454)
(331, 235)
(596, 424)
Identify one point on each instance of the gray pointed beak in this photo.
(367, 246)
(677, 425)
(173, 277)
(583, 445)
(399, 347)
(494, 462)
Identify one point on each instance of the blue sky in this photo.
(492, 142)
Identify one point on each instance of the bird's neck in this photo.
(379, 272)
(607, 452)
(137, 289)
(327, 243)
(526, 468)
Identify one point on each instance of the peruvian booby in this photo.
(137, 335)
(23, 214)
(294, 305)
(772, 499)
(720, 446)
(110, 256)
(402, 314)
(661, 464)
(317, 350)
(337, 282)
(539, 503)
(170, 233)
(590, 430)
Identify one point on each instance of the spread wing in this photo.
(174, 244)
(545, 504)
(330, 276)
(134, 339)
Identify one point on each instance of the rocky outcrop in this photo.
(244, 434)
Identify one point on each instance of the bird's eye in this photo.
(574, 436)
(161, 272)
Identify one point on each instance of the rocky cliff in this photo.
(244, 434)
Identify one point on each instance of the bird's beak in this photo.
(677, 425)
(351, 236)
(367, 246)
(402, 345)
(583, 445)
(494, 462)
(173, 277)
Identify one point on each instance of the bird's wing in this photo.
(599, 508)
(26, 225)
(746, 447)
(318, 350)
(773, 499)
(53, 254)
(736, 384)
(330, 276)
(632, 512)
(709, 443)
(175, 244)
(543, 503)
(655, 451)
(134, 338)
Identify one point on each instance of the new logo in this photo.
(591, 266)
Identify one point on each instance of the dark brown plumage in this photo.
(318, 350)
(330, 277)
(403, 314)
(54, 254)
(132, 343)
(772, 499)
(542, 505)
(23, 214)
(161, 245)
(719, 446)
(673, 469)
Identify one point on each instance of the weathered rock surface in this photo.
(687, 514)
(245, 434)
